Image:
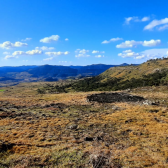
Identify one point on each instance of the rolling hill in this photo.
(152, 72)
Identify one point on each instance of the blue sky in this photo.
(82, 32)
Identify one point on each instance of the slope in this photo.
(152, 72)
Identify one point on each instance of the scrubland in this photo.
(67, 130)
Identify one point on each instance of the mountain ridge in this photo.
(34, 73)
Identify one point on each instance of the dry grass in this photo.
(124, 134)
(129, 72)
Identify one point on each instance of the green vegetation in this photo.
(110, 84)
(2, 90)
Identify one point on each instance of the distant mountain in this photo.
(93, 70)
(7, 69)
(55, 71)
(124, 64)
(51, 72)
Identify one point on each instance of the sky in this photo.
(82, 32)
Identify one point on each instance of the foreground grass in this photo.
(51, 130)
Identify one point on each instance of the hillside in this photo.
(152, 72)
(139, 71)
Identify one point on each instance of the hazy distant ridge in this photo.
(51, 72)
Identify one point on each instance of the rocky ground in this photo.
(92, 129)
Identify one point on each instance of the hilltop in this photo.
(129, 72)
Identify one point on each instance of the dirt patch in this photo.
(114, 97)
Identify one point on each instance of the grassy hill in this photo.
(137, 72)
(150, 73)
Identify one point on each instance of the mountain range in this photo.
(14, 75)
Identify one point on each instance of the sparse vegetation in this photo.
(68, 130)
(111, 84)
(86, 129)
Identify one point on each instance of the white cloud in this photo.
(128, 44)
(112, 40)
(133, 43)
(44, 48)
(63, 62)
(136, 19)
(20, 44)
(57, 53)
(48, 59)
(8, 44)
(95, 52)
(99, 56)
(116, 39)
(50, 39)
(163, 27)
(19, 53)
(26, 39)
(140, 57)
(151, 43)
(6, 53)
(34, 52)
(10, 57)
(148, 54)
(144, 19)
(155, 23)
(66, 52)
(54, 53)
(66, 39)
(105, 42)
(127, 51)
(156, 53)
(81, 53)
(130, 53)
(31, 52)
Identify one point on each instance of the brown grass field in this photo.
(66, 130)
